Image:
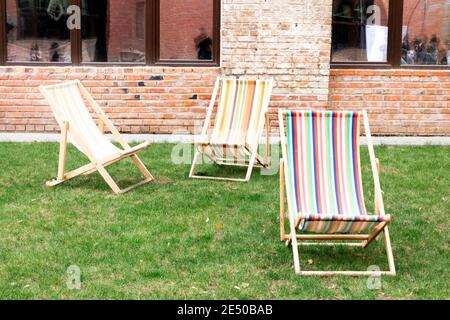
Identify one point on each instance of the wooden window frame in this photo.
(151, 35)
(394, 54)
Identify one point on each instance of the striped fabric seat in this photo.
(68, 106)
(239, 115)
(325, 185)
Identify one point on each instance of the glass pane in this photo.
(186, 29)
(113, 31)
(37, 31)
(360, 30)
(426, 32)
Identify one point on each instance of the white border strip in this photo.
(167, 138)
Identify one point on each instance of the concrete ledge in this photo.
(391, 141)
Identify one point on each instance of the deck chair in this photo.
(232, 137)
(67, 101)
(321, 174)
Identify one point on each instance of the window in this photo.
(36, 31)
(426, 32)
(391, 33)
(190, 38)
(360, 30)
(135, 32)
(110, 31)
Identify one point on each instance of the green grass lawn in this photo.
(188, 239)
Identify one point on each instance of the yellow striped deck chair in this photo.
(232, 137)
(321, 177)
(68, 102)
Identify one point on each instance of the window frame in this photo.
(151, 36)
(394, 54)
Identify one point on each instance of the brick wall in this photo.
(288, 40)
(400, 102)
(144, 99)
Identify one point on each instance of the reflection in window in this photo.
(113, 31)
(360, 31)
(186, 29)
(37, 31)
(426, 32)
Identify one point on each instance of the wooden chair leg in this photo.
(295, 252)
(390, 254)
(374, 233)
(73, 174)
(282, 217)
(63, 151)
(391, 272)
(113, 185)
(268, 151)
(194, 163)
(108, 179)
(251, 165)
(376, 207)
(138, 162)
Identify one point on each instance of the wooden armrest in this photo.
(136, 149)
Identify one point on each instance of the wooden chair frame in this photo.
(255, 160)
(352, 240)
(95, 164)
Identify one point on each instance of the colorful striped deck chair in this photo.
(67, 101)
(321, 174)
(232, 136)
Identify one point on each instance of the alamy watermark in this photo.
(374, 281)
(56, 11)
(73, 281)
(183, 153)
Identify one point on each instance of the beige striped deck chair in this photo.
(67, 101)
(321, 174)
(232, 137)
